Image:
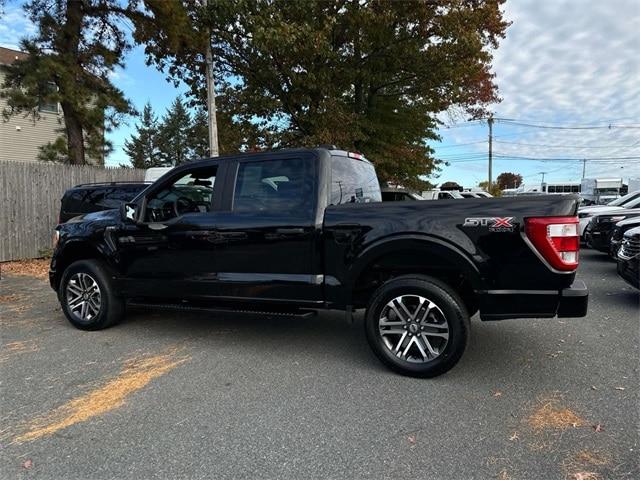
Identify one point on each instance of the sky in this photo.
(570, 66)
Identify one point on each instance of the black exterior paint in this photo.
(317, 260)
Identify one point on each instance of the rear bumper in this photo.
(599, 239)
(504, 304)
(629, 269)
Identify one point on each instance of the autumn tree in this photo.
(509, 180)
(369, 75)
(77, 44)
(495, 190)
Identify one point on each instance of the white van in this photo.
(154, 173)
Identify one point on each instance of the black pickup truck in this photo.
(292, 232)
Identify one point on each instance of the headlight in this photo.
(614, 219)
(56, 239)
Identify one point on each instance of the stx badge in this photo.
(495, 224)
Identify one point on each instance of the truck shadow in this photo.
(493, 351)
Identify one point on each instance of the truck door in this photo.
(267, 239)
(172, 253)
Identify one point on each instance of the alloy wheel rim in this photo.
(413, 328)
(84, 298)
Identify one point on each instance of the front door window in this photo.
(192, 192)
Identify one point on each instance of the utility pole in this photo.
(584, 167)
(542, 173)
(211, 97)
(490, 123)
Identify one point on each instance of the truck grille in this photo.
(630, 247)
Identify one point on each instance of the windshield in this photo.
(635, 203)
(624, 199)
(353, 181)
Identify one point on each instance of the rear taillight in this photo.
(556, 239)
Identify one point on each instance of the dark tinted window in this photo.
(285, 185)
(353, 181)
(72, 202)
(111, 197)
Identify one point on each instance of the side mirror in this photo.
(129, 212)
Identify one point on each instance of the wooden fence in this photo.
(30, 196)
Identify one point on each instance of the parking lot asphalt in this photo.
(176, 395)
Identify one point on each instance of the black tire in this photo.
(451, 310)
(111, 308)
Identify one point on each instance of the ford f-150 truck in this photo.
(292, 232)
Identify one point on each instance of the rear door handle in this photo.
(289, 230)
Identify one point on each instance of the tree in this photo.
(450, 186)
(509, 180)
(78, 43)
(174, 139)
(367, 75)
(142, 147)
(495, 190)
(199, 135)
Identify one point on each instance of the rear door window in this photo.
(278, 185)
(353, 181)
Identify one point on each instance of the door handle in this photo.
(290, 230)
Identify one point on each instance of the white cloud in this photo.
(568, 62)
(14, 25)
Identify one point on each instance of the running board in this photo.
(243, 311)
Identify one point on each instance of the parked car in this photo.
(475, 194)
(398, 195)
(600, 229)
(629, 257)
(631, 200)
(292, 232)
(618, 233)
(441, 195)
(95, 197)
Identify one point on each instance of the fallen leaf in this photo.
(585, 476)
(27, 464)
(497, 393)
(514, 437)
(411, 439)
(598, 427)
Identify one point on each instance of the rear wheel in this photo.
(86, 296)
(417, 326)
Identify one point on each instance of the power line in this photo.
(558, 127)
(553, 159)
(565, 146)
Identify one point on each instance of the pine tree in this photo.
(142, 147)
(174, 135)
(77, 44)
(199, 135)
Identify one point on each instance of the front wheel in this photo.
(417, 326)
(87, 297)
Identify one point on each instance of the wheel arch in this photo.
(418, 254)
(72, 251)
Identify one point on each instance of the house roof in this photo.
(8, 56)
